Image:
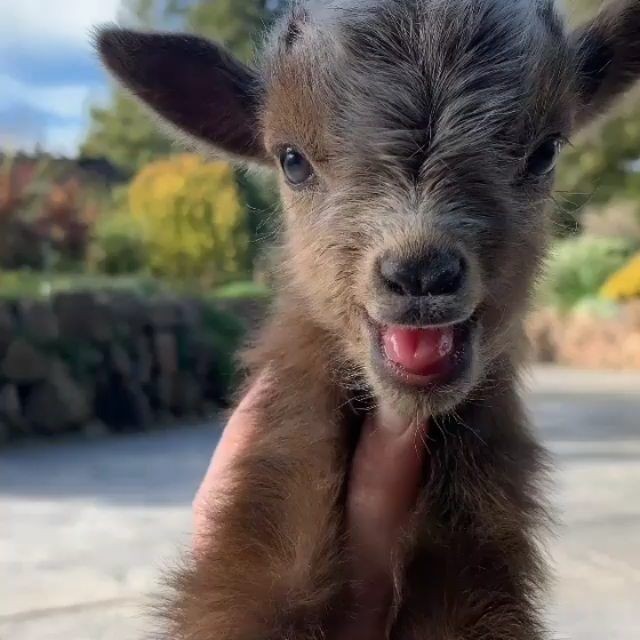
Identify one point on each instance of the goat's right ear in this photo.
(608, 53)
(193, 84)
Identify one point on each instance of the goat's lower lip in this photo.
(423, 356)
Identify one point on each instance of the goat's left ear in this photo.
(608, 54)
(192, 84)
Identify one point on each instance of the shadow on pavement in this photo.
(164, 468)
(150, 469)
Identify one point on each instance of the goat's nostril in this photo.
(435, 273)
(395, 276)
(446, 276)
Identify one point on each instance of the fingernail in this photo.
(389, 419)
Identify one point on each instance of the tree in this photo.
(234, 23)
(124, 133)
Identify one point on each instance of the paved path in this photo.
(85, 527)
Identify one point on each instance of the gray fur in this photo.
(430, 109)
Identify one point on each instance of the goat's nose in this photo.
(434, 273)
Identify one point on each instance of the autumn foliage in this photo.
(624, 284)
(193, 219)
(44, 222)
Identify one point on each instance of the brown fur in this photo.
(420, 118)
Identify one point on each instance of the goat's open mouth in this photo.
(426, 357)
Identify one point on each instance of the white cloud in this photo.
(62, 101)
(63, 140)
(53, 114)
(28, 132)
(38, 24)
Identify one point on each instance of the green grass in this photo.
(34, 285)
(239, 290)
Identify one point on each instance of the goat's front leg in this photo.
(485, 598)
(272, 566)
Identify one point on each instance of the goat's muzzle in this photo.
(420, 318)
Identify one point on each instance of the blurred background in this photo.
(130, 273)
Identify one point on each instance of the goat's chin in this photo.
(420, 404)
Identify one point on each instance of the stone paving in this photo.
(87, 526)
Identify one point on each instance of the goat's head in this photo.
(416, 141)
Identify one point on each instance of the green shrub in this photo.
(579, 267)
(118, 246)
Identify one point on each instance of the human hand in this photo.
(383, 488)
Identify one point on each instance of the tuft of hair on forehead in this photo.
(405, 77)
(293, 26)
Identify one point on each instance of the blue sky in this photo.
(48, 75)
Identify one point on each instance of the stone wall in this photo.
(97, 361)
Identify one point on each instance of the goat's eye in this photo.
(543, 160)
(297, 169)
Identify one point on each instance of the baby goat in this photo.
(416, 141)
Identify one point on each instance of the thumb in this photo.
(384, 485)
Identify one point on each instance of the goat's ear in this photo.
(192, 83)
(608, 50)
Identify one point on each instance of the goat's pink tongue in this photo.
(418, 351)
